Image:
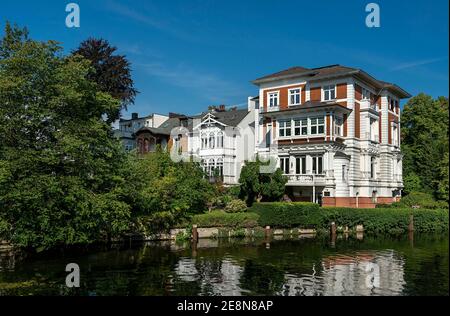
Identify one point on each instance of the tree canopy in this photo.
(261, 186)
(112, 72)
(425, 145)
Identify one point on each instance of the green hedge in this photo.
(287, 215)
(222, 219)
(390, 221)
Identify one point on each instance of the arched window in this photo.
(212, 141)
(219, 167)
(204, 141)
(220, 140)
(211, 166)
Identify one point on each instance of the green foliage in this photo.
(61, 171)
(389, 221)
(287, 215)
(165, 192)
(425, 145)
(419, 199)
(375, 221)
(221, 219)
(261, 186)
(236, 206)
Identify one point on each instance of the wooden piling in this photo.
(333, 229)
(194, 233)
(411, 223)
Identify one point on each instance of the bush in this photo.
(222, 219)
(236, 206)
(287, 215)
(390, 221)
(423, 200)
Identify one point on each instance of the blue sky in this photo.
(188, 54)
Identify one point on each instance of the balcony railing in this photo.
(367, 105)
(307, 179)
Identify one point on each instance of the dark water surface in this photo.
(241, 267)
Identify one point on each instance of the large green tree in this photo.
(425, 145)
(112, 72)
(256, 185)
(61, 180)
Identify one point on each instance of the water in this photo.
(307, 267)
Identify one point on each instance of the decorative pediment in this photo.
(209, 120)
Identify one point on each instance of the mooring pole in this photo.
(195, 234)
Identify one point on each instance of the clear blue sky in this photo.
(188, 54)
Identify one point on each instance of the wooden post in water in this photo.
(411, 223)
(267, 231)
(333, 234)
(194, 234)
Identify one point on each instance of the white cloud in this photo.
(417, 63)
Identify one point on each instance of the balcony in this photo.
(307, 180)
(367, 105)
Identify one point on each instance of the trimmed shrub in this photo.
(236, 206)
(287, 215)
(222, 219)
(389, 221)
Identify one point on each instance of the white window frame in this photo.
(365, 94)
(394, 135)
(300, 127)
(338, 126)
(204, 140)
(283, 126)
(316, 125)
(285, 163)
(296, 95)
(212, 141)
(315, 160)
(220, 140)
(329, 88)
(300, 164)
(272, 96)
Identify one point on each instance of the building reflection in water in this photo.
(360, 273)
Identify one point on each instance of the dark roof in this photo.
(231, 117)
(329, 72)
(311, 105)
(165, 128)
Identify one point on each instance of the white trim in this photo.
(290, 96)
(322, 89)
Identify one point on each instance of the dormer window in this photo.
(329, 93)
(295, 96)
(273, 99)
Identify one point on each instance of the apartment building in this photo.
(335, 132)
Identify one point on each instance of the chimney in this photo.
(221, 108)
(134, 116)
